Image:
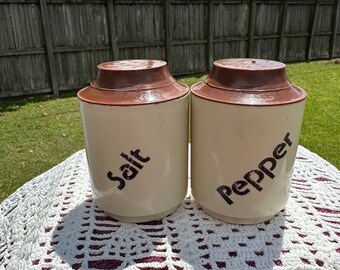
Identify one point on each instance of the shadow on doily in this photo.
(207, 243)
(86, 237)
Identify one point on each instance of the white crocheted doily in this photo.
(52, 223)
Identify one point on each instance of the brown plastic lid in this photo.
(132, 82)
(245, 81)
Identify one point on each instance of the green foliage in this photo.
(38, 133)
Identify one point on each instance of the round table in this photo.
(52, 223)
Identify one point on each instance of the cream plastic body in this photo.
(228, 141)
(159, 133)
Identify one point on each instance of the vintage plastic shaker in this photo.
(246, 122)
(135, 122)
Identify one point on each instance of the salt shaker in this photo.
(135, 122)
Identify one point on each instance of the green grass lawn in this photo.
(321, 125)
(38, 133)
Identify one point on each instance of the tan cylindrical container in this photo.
(246, 122)
(135, 122)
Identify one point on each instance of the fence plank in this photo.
(112, 30)
(334, 28)
(210, 34)
(251, 26)
(49, 48)
(312, 31)
(22, 52)
(167, 37)
(281, 48)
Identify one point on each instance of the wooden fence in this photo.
(49, 46)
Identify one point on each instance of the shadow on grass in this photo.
(12, 104)
(198, 76)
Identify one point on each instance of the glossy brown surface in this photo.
(246, 81)
(132, 82)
